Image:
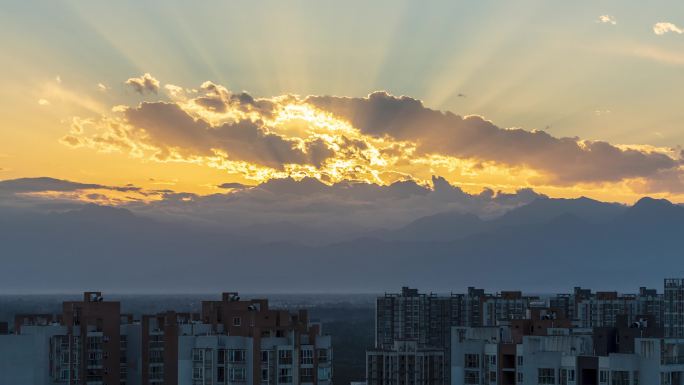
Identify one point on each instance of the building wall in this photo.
(133, 357)
(23, 360)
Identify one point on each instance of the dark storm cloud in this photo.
(565, 160)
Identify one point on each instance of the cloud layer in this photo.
(306, 210)
(565, 160)
(378, 139)
(174, 129)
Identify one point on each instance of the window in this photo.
(603, 376)
(324, 374)
(619, 377)
(265, 357)
(94, 358)
(567, 376)
(306, 357)
(237, 374)
(157, 373)
(265, 376)
(471, 361)
(306, 374)
(471, 377)
(284, 375)
(520, 378)
(635, 377)
(284, 357)
(94, 343)
(322, 355)
(221, 374)
(156, 356)
(492, 360)
(520, 360)
(492, 376)
(237, 321)
(546, 376)
(236, 355)
(221, 355)
(197, 354)
(197, 373)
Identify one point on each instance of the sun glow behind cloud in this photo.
(289, 136)
(354, 156)
(531, 65)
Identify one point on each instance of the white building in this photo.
(487, 356)
(205, 358)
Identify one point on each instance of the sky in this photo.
(566, 98)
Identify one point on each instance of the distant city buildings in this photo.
(674, 308)
(231, 341)
(507, 338)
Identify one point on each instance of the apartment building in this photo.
(411, 325)
(231, 341)
(602, 308)
(545, 350)
(258, 345)
(412, 331)
(85, 344)
(415, 327)
(428, 318)
(673, 308)
(507, 305)
(406, 364)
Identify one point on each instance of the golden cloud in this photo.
(144, 83)
(377, 139)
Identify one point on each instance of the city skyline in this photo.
(507, 338)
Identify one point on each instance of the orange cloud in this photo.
(563, 160)
(377, 139)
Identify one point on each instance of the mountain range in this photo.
(559, 242)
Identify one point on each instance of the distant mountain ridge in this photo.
(453, 225)
(560, 243)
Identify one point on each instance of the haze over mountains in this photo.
(487, 240)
